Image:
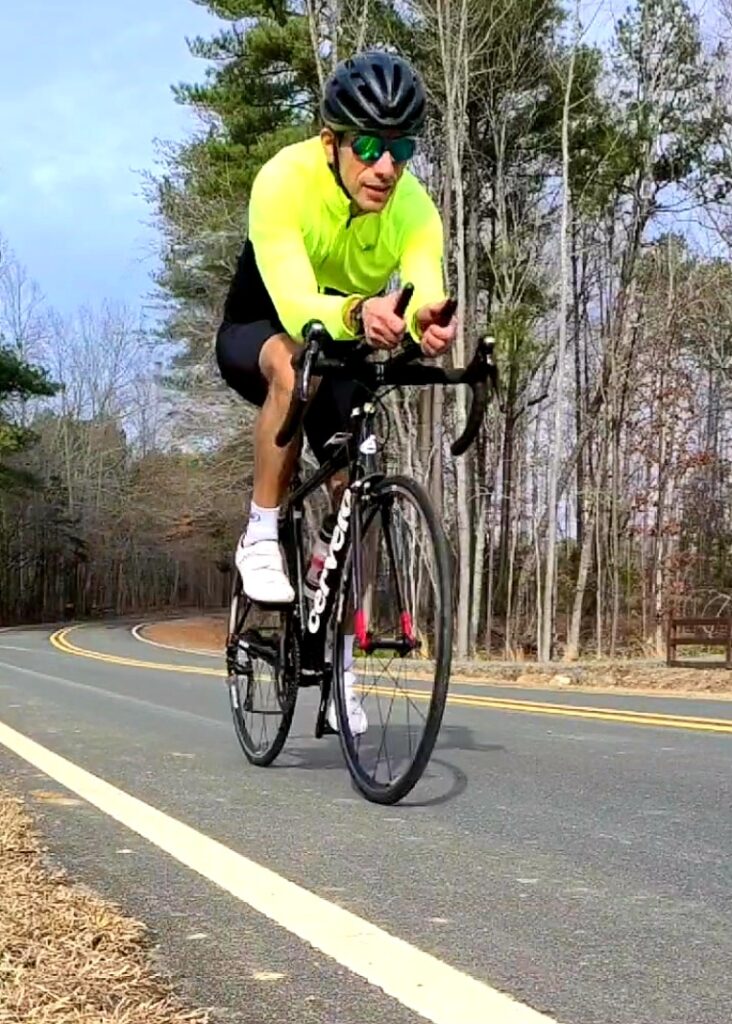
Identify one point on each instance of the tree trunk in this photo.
(482, 503)
(489, 595)
(549, 602)
(573, 637)
(579, 391)
(506, 505)
(600, 579)
(453, 44)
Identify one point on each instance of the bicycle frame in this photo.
(363, 467)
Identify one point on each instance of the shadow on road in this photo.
(326, 755)
(452, 737)
(460, 737)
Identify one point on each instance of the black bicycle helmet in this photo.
(374, 91)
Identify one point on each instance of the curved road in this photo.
(568, 849)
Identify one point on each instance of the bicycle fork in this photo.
(406, 642)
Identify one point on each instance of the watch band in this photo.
(357, 319)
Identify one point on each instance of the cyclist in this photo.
(331, 220)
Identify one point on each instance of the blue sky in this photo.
(84, 92)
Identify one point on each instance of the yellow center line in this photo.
(61, 642)
(718, 725)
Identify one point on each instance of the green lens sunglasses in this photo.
(371, 148)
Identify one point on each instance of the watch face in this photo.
(358, 318)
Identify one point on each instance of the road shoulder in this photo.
(68, 955)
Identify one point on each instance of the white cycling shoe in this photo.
(358, 723)
(263, 573)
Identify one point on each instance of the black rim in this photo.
(405, 570)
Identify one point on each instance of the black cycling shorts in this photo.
(238, 347)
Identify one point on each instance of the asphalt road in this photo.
(580, 864)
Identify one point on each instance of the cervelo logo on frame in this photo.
(336, 543)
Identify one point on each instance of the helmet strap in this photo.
(336, 166)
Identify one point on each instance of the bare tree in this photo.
(557, 446)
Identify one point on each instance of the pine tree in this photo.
(260, 93)
(18, 381)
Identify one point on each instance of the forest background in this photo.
(585, 182)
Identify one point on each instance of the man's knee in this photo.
(275, 362)
(337, 485)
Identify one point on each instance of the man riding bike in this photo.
(331, 220)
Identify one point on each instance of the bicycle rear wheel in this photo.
(403, 608)
(263, 665)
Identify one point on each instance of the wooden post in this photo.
(670, 641)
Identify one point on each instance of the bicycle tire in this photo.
(383, 494)
(243, 665)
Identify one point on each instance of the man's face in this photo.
(369, 183)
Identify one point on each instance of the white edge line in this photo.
(439, 993)
(136, 632)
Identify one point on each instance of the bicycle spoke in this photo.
(407, 698)
(384, 726)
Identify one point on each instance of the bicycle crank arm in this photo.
(322, 728)
(255, 646)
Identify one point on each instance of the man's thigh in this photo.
(250, 356)
(239, 349)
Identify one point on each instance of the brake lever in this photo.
(482, 365)
(480, 370)
(314, 335)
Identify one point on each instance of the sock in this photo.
(262, 524)
(348, 641)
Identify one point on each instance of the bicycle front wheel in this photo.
(397, 595)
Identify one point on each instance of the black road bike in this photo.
(387, 579)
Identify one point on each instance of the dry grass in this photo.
(67, 957)
(195, 634)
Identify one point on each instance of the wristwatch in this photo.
(355, 316)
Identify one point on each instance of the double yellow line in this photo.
(60, 641)
(626, 717)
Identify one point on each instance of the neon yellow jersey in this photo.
(306, 241)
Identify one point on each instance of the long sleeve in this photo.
(282, 258)
(421, 260)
